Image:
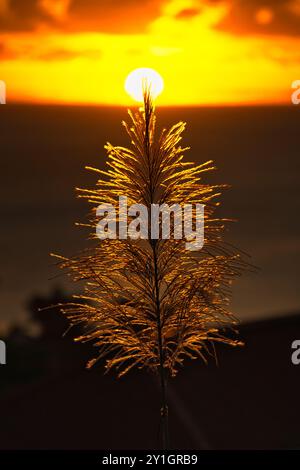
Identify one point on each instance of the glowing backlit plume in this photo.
(152, 303)
(143, 293)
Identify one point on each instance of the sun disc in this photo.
(139, 78)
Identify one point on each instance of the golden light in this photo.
(143, 77)
(56, 66)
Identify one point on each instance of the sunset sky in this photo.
(207, 51)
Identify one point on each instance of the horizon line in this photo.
(136, 104)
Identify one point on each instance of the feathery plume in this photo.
(152, 303)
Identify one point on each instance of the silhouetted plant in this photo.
(151, 303)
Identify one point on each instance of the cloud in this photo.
(31, 52)
(6, 53)
(188, 13)
(58, 55)
(241, 17)
(23, 15)
(117, 16)
(260, 17)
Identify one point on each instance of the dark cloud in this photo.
(112, 16)
(250, 17)
(24, 15)
(133, 16)
(188, 13)
(65, 55)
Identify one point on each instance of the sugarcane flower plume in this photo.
(152, 303)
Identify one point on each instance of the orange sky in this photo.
(208, 51)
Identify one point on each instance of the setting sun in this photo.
(209, 53)
(143, 77)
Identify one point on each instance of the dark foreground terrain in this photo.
(250, 401)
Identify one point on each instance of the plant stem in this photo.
(163, 382)
(148, 109)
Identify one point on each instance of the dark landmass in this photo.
(50, 401)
